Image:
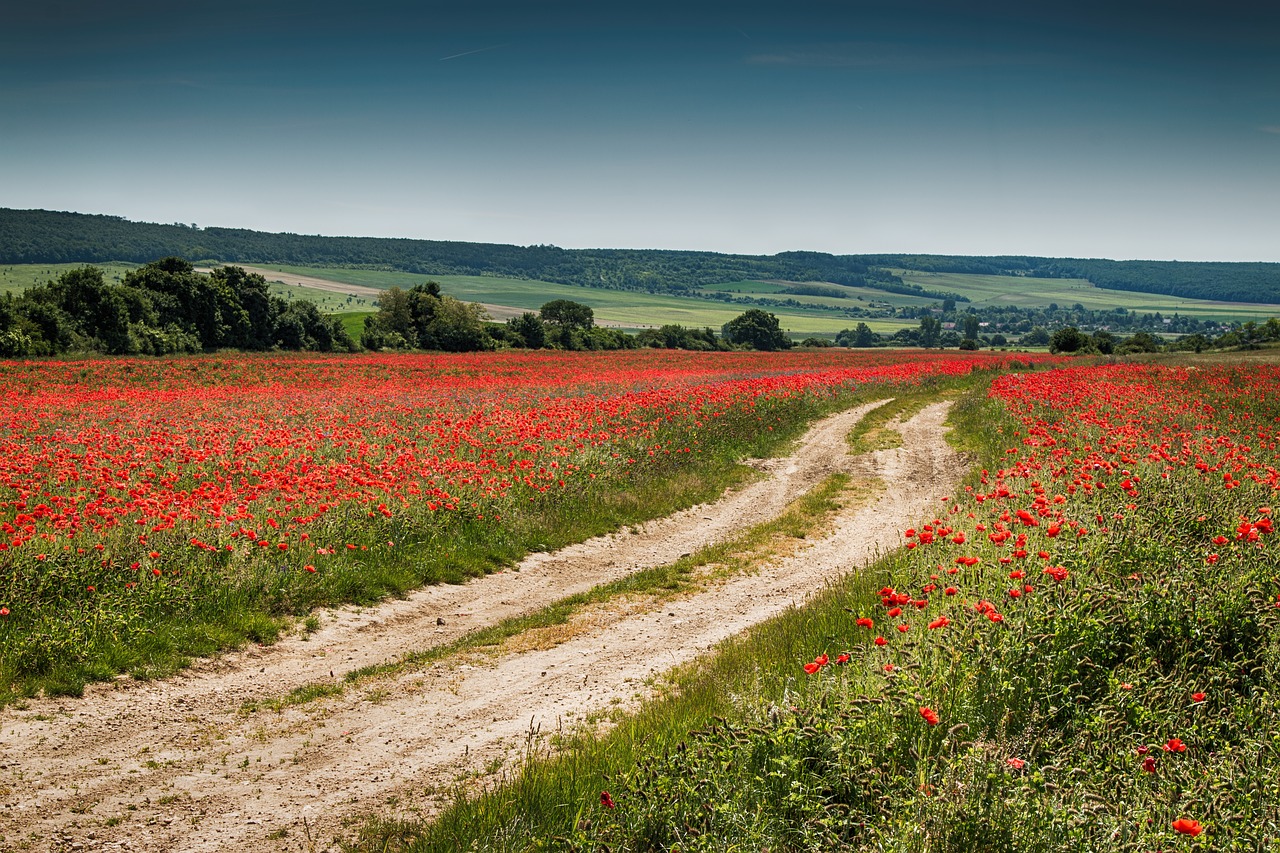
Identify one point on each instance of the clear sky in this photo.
(1107, 129)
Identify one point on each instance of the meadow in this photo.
(15, 278)
(1078, 650)
(153, 510)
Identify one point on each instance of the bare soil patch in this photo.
(176, 765)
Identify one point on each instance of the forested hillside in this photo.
(39, 236)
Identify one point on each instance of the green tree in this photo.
(1140, 342)
(930, 331)
(1037, 337)
(756, 329)
(567, 314)
(969, 325)
(1068, 339)
(456, 326)
(528, 327)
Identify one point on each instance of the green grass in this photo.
(15, 278)
(326, 301)
(1028, 292)
(353, 322)
(872, 431)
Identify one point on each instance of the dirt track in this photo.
(175, 765)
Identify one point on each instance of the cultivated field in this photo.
(1028, 292)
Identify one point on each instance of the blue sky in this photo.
(1125, 130)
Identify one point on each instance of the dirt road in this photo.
(176, 765)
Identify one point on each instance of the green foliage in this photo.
(1068, 339)
(860, 336)
(1037, 337)
(757, 330)
(161, 308)
(423, 318)
(675, 336)
(529, 330)
(930, 331)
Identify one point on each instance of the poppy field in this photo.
(1080, 650)
(155, 510)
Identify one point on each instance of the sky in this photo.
(1101, 129)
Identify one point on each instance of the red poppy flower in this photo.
(940, 622)
(1197, 697)
(1187, 826)
(843, 657)
(811, 668)
(930, 716)
(1175, 745)
(895, 612)
(1015, 763)
(864, 622)
(904, 627)
(1149, 764)
(606, 800)
(881, 641)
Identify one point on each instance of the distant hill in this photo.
(41, 236)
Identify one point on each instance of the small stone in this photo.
(439, 620)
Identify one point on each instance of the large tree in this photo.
(568, 314)
(756, 329)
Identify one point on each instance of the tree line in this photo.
(160, 308)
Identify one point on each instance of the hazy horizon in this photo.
(1126, 131)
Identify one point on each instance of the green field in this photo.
(353, 322)
(16, 278)
(327, 301)
(1028, 292)
(621, 308)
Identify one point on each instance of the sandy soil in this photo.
(175, 765)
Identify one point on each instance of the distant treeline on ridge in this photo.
(41, 236)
